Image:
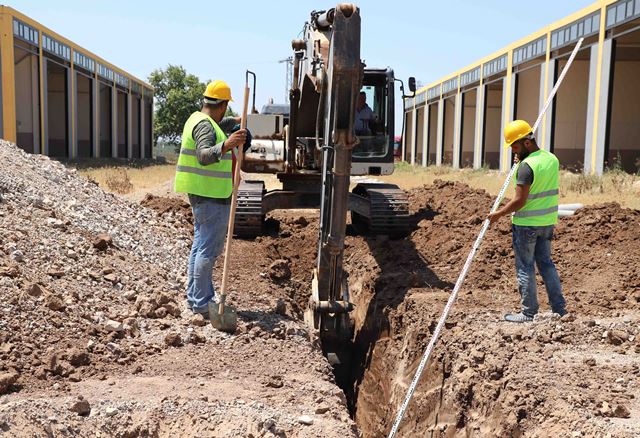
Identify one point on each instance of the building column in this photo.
(114, 121)
(546, 124)
(414, 139)
(72, 97)
(457, 130)
(45, 102)
(440, 132)
(599, 86)
(508, 101)
(425, 134)
(479, 134)
(8, 80)
(96, 115)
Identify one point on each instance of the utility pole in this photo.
(289, 76)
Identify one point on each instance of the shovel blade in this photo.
(225, 322)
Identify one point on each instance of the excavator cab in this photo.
(373, 155)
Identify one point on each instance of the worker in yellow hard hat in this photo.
(535, 213)
(204, 172)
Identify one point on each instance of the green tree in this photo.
(177, 95)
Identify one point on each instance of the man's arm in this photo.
(207, 151)
(524, 179)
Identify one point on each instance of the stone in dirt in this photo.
(306, 420)
(81, 407)
(173, 339)
(102, 242)
(35, 290)
(198, 320)
(54, 303)
(113, 326)
(280, 270)
(274, 382)
(78, 357)
(621, 411)
(617, 337)
(7, 380)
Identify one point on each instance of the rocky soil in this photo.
(95, 340)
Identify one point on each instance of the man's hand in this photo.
(236, 139)
(494, 217)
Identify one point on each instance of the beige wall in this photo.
(419, 135)
(528, 95)
(408, 142)
(468, 128)
(571, 114)
(492, 134)
(26, 86)
(433, 133)
(624, 130)
(449, 119)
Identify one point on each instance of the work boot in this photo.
(517, 317)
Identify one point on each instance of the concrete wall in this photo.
(528, 94)
(468, 127)
(410, 131)
(84, 125)
(57, 110)
(570, 114)
(105, 120)
(624, 128)
(419, 135)
(493, 120)
(433, 133)
(27, 100)
(449, 120)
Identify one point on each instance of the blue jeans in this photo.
(210, 220)
(533, 244)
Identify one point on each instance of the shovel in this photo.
(223, 317)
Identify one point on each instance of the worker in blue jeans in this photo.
(205, 172)
(535, 213)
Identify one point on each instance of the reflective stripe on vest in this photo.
(541, 207)
(211, 181)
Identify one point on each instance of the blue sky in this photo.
(220, 40)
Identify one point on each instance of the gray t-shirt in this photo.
(524, 176)
(207, 150)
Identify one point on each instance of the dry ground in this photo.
(574, 188)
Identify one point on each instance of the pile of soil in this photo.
(95, 338)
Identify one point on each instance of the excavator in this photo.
(317, 152)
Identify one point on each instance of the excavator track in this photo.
(249, 219)
(389, 211)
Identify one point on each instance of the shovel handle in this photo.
(234, 199)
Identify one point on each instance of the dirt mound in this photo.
(94, 335)
(173, 209)
(489, 378)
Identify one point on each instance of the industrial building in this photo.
(63, 101)
(593, 124)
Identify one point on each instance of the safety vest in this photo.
(541, 208)
(213, 180)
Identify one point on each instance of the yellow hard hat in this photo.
(516, 130)
(217, 90)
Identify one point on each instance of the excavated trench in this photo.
(484, 378)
